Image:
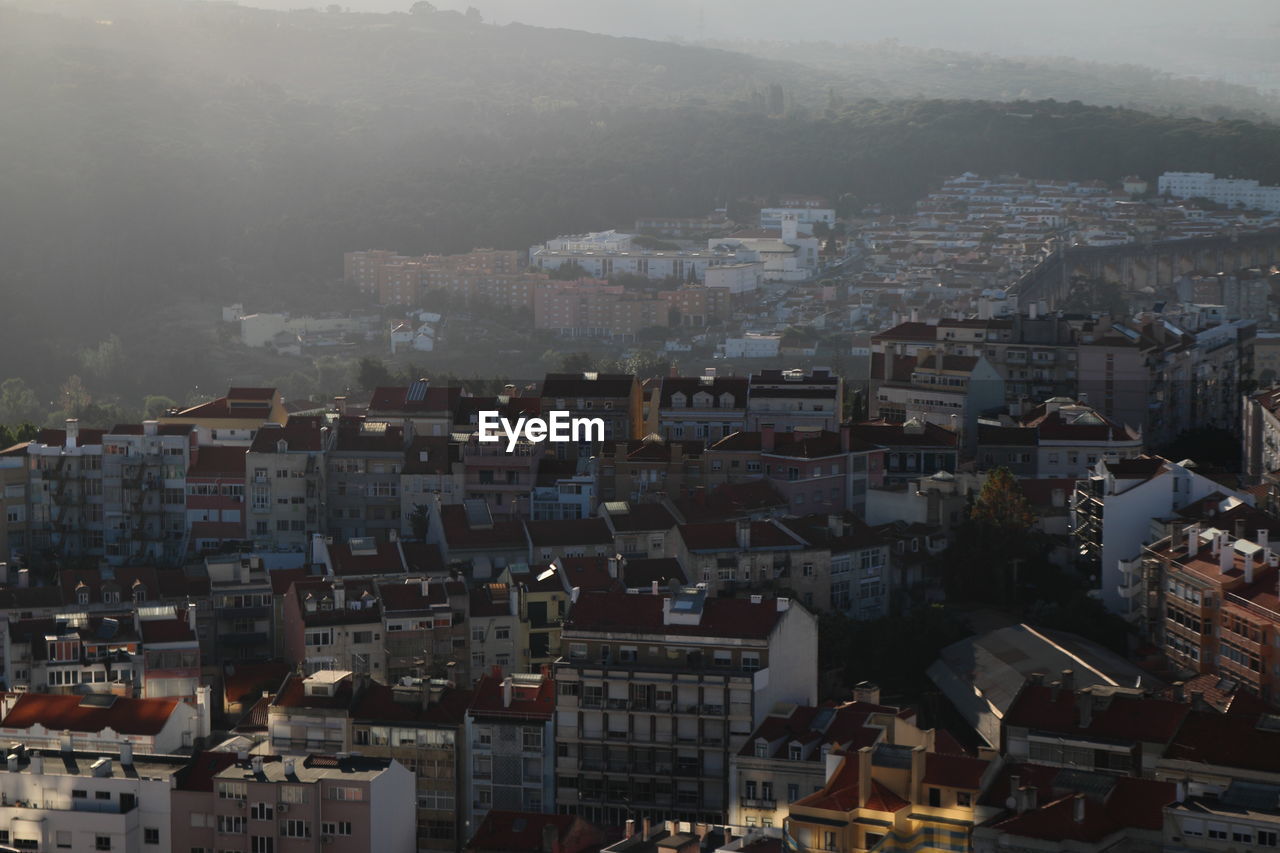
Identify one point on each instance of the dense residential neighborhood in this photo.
(251, 623)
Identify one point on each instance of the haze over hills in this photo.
(170, 151)
(1228, 41)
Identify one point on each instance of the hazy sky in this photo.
(1230, 39)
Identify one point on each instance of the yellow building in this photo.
(232, 420)
(902, 795)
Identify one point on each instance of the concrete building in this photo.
(332, 624)
(287, 481)
(13, 503)
(786, 400)
(1111, 513)
(101, 721)
(1261, 432)
(233, 419)
(510, 727)
(112, 800)
(683, 679)
(66, 494)
(362, 479)
(753, 345)
(708, 407)
(311, 803)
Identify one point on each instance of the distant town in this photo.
(956, 530)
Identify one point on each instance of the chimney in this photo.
(191, 616)
(257, 764)
(1068, 679)
(783, 604)
(744, 533)
(36, 765)
(513, 599)
(1030, 798)
(866, 691)
(1015, 782)
(101, 768)
(126, 754)
(845, 437)
(289, 768)
(1036, 679)
(1226, 559)
(645, 828)
(150, 427)
(631, 827)
(24, 578)
(73, 433)
(654, 589)
(613, 566)
(1055, 688)
(424, 586)
(1239, 528)
(1264, 537)
(1084, 705)
(1217, 545)
(506, 692)
(1248, 567)
(449, 669)
(1197, 700)
(766, 439)
(65, 743)
(13, 762)
(1077, 810)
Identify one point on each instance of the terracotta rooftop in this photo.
(125, 715)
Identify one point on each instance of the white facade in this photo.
(806, 217)
(752, 345)
(737, 278)
(654, 265)
(94, 802)
(1232, 192)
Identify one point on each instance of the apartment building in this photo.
(590, 309)
(728, 557)
(707, 407)
(13, 503)
(109, 800)
(425, 620)
(432, 466)
(510, 727)
(331, 623)
(937, 387)
(649, 468)
(861, 570)
(1060, 438)
(656, 692)
(788, 400)
(233, 419)
(895, 795)
(1111, 513)
(1212, 606)
(216, 508)
(497, 620)
(311, 803)
(616, 398)
(912, 449)
(65, 490)
(101, 721)
(785, 758)
(504, 480)
(1260, 426)
(362, 479)
(287, 481)
(243, 628)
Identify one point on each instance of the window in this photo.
(295, 829)
(762, 749)
(1218, 831)
(1267, 838)
(793, 793)
(262, 844)
(795, 752)
(750, 661)
(230, 824)
(533, 740)
(63, 838)
(341, 827)
(295, 793)
(935, 797)
(261, 811)
(502, 633)
(964, 799)
(347, 794)
(102, 842)
(102, 795)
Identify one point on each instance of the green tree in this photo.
(18, 403)
(372, 373)
(1002, 505)
(155, 405)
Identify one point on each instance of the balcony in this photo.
(757, 803)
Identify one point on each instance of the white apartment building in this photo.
(1232, 192)
(101, 801)
(753, 345)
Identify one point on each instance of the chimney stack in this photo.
(126, 754)
(1264, 537)
(1077, 812)
(506, 692)
(1069, 679)
(1084, 705)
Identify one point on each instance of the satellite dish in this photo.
(1012, 803)
(550, 572)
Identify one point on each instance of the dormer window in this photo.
(678, 400)
(795, 752)
(110, 597)
(702, 400)
(82, 596)
(139, 593)
(726, 400)
(762, 749)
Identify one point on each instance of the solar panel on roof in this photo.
(417, 391)
(823, 719)
(108, 628)
(98, 700)
(892, 755)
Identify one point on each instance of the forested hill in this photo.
(157, 147)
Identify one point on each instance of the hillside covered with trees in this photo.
(161, 154)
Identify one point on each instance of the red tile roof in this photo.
(888, 434)
(1131, 718)
(723, 536)
(217, 461)
(167, 631)
(303, 434)
(954, 771)
(577, 531)
(385, 560)
(1233, 740)
(530, 701)
(143, 717)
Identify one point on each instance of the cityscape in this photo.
(807, 505)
